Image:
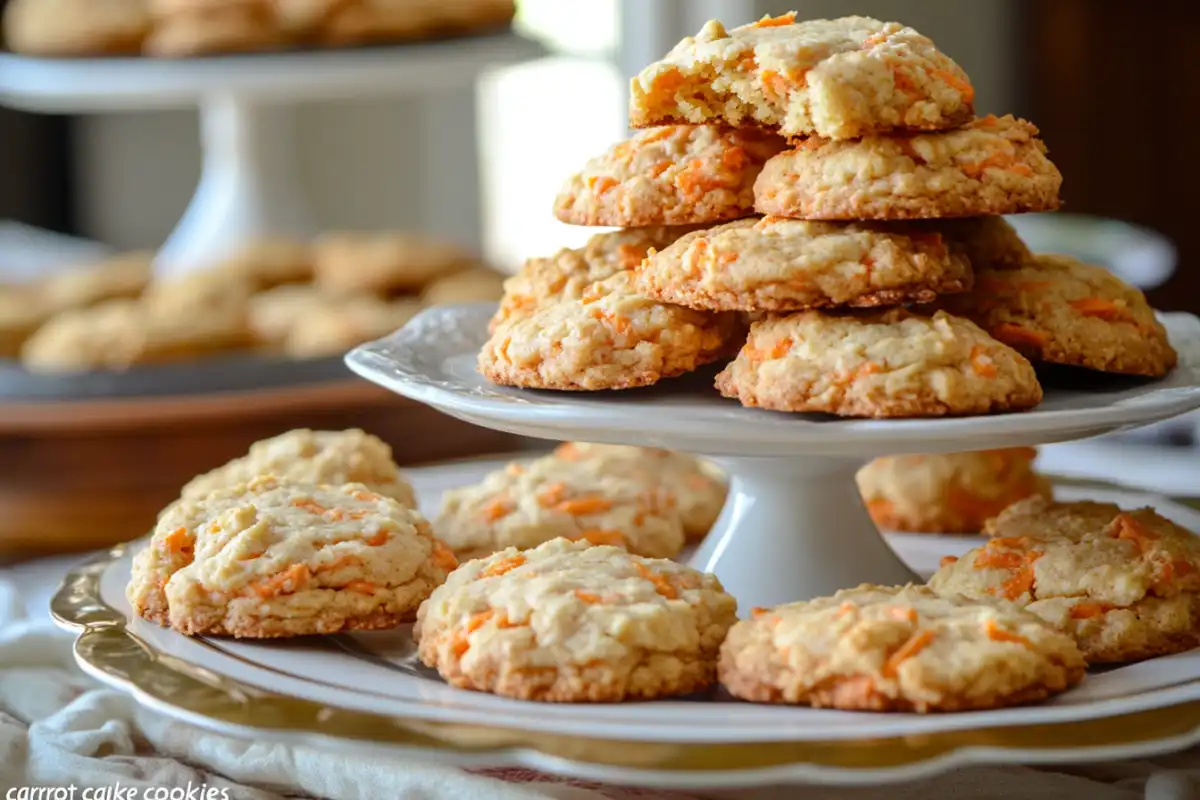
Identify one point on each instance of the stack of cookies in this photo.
(866, 251)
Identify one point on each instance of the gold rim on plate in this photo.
(106, 646)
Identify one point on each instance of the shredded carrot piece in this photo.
(776, 22)
(781, 348)
(963, 86)
(844, 609)
(1020, 169)
(694, 180)
(661, 584)
(871, 41)
(657, 170)
(903, 82)
(734, 159)
(947, 561)
(588, 597)
(620, 325)
(344, 561)
(661, 133)
(1016, 336)
(552, 495)
(981, 362)
(758, 611)
(881, 509)
(989, 121)
(459, 644)
(568, 451)
(584, 505)
(1100, 308)
(293, 579)
(361, 587)
(748, 62)
(380, 538)
(309, 505)
(443, 557)
(913, 645)
(775, 86)
(598, 536)
(1007, 559)
(998, 634)
(177, 541)
(904, 614)
(667, 83)
(366, 497)
(477, 621)
(1019, 584)
(727, 258)
(600, 185)
(1127, 528)
(502, 567)
(497, 508)
(1089, 609)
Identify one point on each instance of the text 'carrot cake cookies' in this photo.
(897, 649)
(839, 78)
(524, 506)
(948, 492)
(776, 264)
(674, 175)
(566, 274)
(1125, 584)
(272, 558)
(991, 166)
(305, 456)
(1060, 310)
(612, 338)
(883, 364)
(697, 488)
(570, 623)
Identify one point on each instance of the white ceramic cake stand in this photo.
(794, 527)
(248, 184)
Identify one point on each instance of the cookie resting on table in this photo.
(1125, 584)
(879, 648)
(948, 492)
(698, 488)
(882, 364)
(566, 622)
(991, 166)
(776, 264)
(841, 78)
(523, 506)
(1059, 310)
(611, 338)
(272, 558)
(674, 175)
(567, 273)
(307, 456)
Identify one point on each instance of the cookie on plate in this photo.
(611, 338)
(698, 488)
(987, 242)
(777, 264)
(883, 364)
(273, 558)
(351, 263)
(204, 27)
(523, 506)
(117, 278)
(75, 27)
(948, 492)
(567, 273)
(566, 622)
(21, 314)
(840, 78)
(306, 456)
(1125, 584)
(336, 327)
(674, 175)
(469, 286)
(991, 166)
(1059, 310)
(275, 313)
(876, 648)
(271, 261)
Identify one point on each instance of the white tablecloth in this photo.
(60, 728)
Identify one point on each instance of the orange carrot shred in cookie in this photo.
(1127, 528)
(583, 505)
(601, 184)
(661, 584)
(361, 587)
(874, 39)
(947, 561)
(998, 634)
(880, 509)
(903, 82)
(662, 133)
(588, 597)
(380, 538)
(758, 611)
(366, 497)
(177, 541)
(502, 566)
(552, 495)
(913, 645)
(782, 347)
(497, 508)
(598, 536)
(1089, 609)
(309, 505)
(964, 87)
(905, 614)
(443, 557)
(1016, 336)
(477, 621)
(656, 171)
(1020, 583)
(1100, 308)
(293, 579)
(734, 159)
(981, 362)
(777, 22)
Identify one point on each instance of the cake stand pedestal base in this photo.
(795, 529)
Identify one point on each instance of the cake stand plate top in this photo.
(432, 360)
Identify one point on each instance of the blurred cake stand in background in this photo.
(247, 185)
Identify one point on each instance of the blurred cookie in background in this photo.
(479, 285)
(347, 263)
(76, 27)
(120, 277)
(334, 328)
(269, 262)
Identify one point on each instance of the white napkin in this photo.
(59, 728)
